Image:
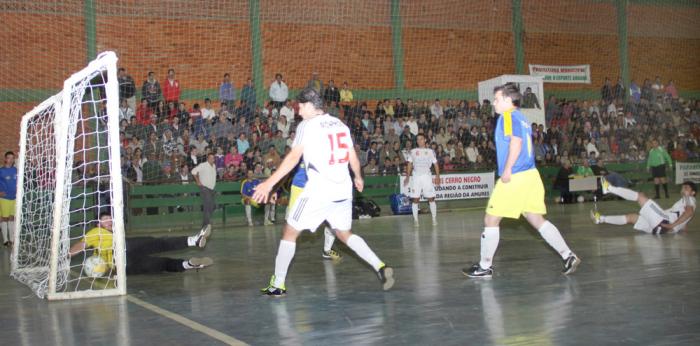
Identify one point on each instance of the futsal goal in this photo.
(69, 172)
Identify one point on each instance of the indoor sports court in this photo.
(162, 162)
(633, 288)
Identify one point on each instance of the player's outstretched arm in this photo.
(687, 214)
(76, 248)
(262, 191)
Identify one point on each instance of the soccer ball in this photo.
(95, 267)
(580, 199)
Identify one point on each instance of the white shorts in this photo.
(651, 216)
(422, 185)
(309, 213)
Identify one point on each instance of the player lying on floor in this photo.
(139, 250)
(651, 217)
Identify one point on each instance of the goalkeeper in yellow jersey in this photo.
(139, 250)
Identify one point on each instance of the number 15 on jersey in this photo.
(338, 148)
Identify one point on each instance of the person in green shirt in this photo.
(656, 162)
(585, 169)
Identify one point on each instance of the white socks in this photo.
(414, 209)
(248, 213)
(192, 240)
(624, 193)
(489, 244)
(11, 229)
(614, 219)
(3, 227)
(285, 254)
(433, 209)
(269, 212)
(357, 244)
(551, 235)
(328, 239)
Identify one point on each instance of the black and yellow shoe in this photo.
(331, 255)
(273, 291)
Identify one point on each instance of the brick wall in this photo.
(450, 44)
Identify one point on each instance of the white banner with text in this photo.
(562, 74)
(687, 171)
(459, 186)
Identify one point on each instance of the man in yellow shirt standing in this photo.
(346, 98)
(140, 249)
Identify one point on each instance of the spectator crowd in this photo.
(163, 138)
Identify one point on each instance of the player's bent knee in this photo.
(343, 235)
(289, 233)
(491, 220)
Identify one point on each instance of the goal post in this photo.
(69, 172)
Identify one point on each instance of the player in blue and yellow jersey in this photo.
(519, 189)
(298, 182)
(8, 192)
(247, 188)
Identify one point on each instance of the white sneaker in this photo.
(250, 223)
(595, 216)
(604, 185)
(203, 235)
(415, 223)
(199, 263)
(434, 222)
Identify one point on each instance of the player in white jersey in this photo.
(326, 146)
(418, 174)
(652, 218)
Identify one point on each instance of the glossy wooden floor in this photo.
(632, 289)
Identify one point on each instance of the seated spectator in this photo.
(231, 173)
(472, 152)
(233, 157)
(584, 169)
(371, 168)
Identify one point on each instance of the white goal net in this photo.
(69, 178)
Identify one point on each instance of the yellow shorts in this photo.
(7, 207)
(294, 193)
(523, 194)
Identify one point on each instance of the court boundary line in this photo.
(213, 333)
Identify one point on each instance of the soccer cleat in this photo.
(595, 216)
(415, 223)
(268, 223)
(386, 277)
(273, 291)
(475, 271)
(604, 185)
(434, 222)
(570, 264)
(331, 255)
(250, 223)
(203, 236)
(199, 262)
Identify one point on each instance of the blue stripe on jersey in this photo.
(300, 178)
(8, 182)
(514, 123)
